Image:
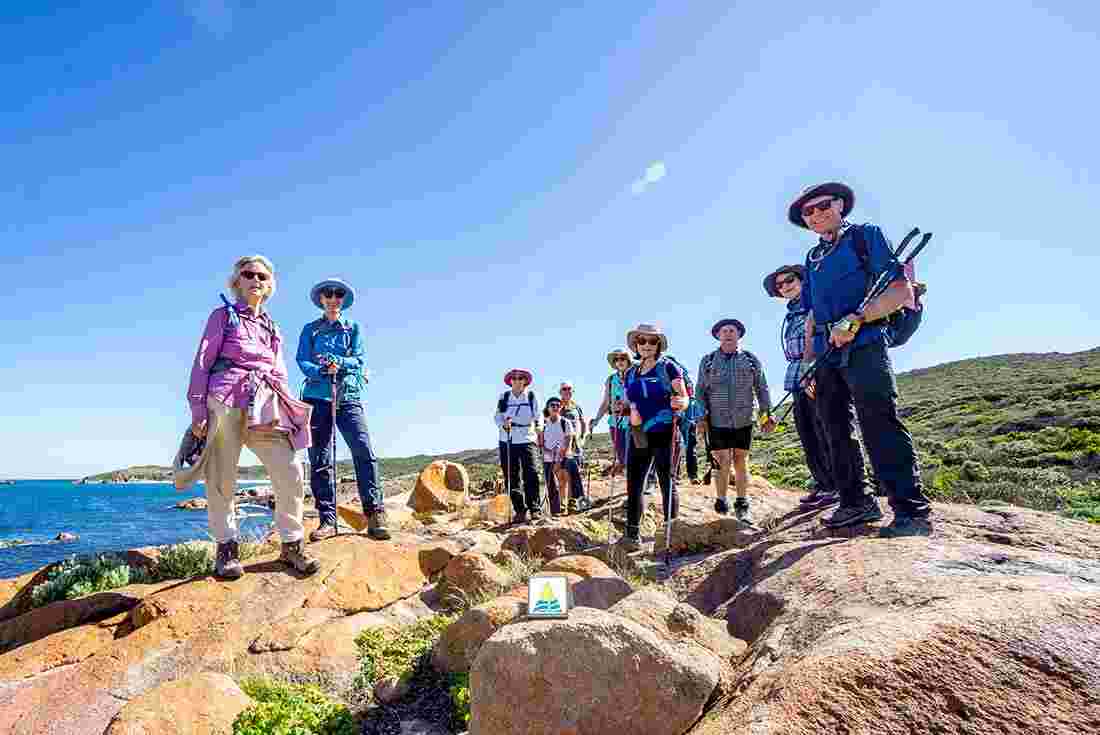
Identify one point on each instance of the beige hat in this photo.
(645, 330)
(190, 461)
(616, 354)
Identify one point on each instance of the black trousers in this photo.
(522, 457)
(689, 455)
(659, 452)
(815, 442)
(867, 382)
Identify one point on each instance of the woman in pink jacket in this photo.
(239, 397)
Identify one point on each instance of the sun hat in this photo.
(723, 322)
(315, 292)
(769, 280)
(525, 373)
(565, 384)
(836, 188)
(646, 330)
(617, 353)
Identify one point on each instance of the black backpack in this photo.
(502, 404)
(903, 323)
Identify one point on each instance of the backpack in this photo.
(903, 323)
(695, 409)
(502, 404)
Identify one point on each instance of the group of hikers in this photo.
(834, 339)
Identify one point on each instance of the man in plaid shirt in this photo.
(786, 283)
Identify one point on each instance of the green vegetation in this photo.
(286, 709)
(1021, 429)
(385, 653)
(182, 561)
(75, 578)
(460, 697)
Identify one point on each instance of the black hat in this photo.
(769, 280)
(723, 322)
(837, 189)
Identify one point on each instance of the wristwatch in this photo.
(850, 324)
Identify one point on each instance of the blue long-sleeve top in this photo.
(340, 341)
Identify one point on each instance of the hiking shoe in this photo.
(741, 510)
(376, 525)
(903, 526)
(721, 506)
(629, 544)
(819, 499)
(582, 504)
(520, 517)
(294, 555)
(228, 562)
(322, 532)
(847, 515)
(706, 478)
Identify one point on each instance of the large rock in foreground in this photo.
(991, 625)
(203, 704)
(441, 486)
(593, 673)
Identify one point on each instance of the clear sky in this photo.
(510, 186)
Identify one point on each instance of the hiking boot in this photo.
(228, 562)
(706, 478)
(818, 499)
(847, 515)
(741, 510)
(322, 532)
(581, 504)
(520, 517)
(629, 544)
(294, 555)
(903, 526)
(721, 506)
(376, 525)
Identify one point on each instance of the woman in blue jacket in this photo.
(330, 353)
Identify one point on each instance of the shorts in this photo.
(731, 438)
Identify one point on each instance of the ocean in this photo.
(106, 517)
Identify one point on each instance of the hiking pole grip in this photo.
(916, 251)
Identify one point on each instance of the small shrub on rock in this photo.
(285, 709)
(460, 696)
(183, 561)
(75, 578)
(386, 653)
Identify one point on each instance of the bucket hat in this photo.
(769, 280)
(615, 354)
(315, 292)
(836, 188)
(723, 322)
(525, 373)
(646, 330)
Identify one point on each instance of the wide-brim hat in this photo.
(614, 354)
(723, 322)
(837, 189)
(769, 280)
(315, 292)
(187, 468)
(647, 330)
(526, 373)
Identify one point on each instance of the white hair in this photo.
(235, 275)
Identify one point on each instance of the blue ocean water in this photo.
(106, 517)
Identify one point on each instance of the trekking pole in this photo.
(611, 488)
(884, 279)
(335, 484)
(672, 491)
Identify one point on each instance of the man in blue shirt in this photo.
(858, 371)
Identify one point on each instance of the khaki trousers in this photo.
(228, 435)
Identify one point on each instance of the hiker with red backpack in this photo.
(729, 379)
(240, 397)
(786, 283)
(656, 391)
(517, 418)
(330, 355)
(855, 368)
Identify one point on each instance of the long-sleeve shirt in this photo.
(524, 413)
(341, 341)
(253, 345)
(726, 386)
(793, 337)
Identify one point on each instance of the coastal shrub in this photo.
(75, 578)
(386, 653)
(1083, 502)
(974, 471)
(183, 561)
(286, 709)
(460, 697)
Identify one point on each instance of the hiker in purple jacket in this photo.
(239, 397)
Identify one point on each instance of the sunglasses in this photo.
(254, 276)
(821, 206)
(622, 359)
(781, 282)
(566, 390)
(652, 341)
(328, 293)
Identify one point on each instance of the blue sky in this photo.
(480, 175)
